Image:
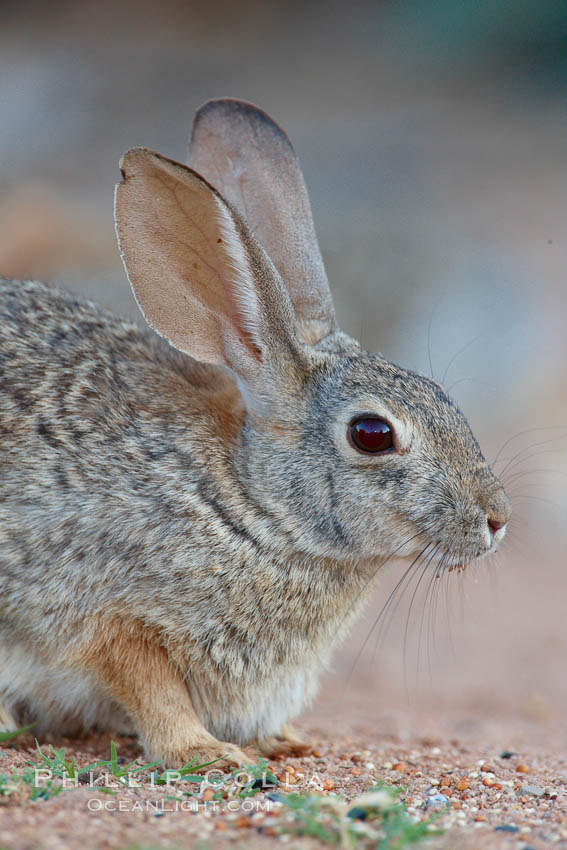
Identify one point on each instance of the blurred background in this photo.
(433, 141)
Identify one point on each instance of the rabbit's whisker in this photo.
(388, 611)
(384, 609)
(523, 433)
(523, 451)
(458, 354)
(428, 560)
(380, 566)
(432, 588)
(541, 471)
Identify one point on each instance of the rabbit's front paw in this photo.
(223, 755)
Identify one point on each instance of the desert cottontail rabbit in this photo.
(189, 525)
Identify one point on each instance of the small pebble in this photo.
(507, 754)
(328, 784)
(437, 801)
(522, 768)
(357, 813)
(506, 827)
(534, 790)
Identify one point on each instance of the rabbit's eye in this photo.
(370, 434)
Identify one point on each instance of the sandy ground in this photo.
(483, 798)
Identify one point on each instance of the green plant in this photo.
(45, 791)
(8, 784)
(61, 769)
(118, 771)
(399, 829)
(189, 772)
(316, 816)
(9, 736)
(260, 778)
(55, 763)
(377, 820)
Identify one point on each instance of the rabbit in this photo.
(191, 520)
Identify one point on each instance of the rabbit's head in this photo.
(349, 456)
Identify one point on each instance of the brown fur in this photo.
(130, 662)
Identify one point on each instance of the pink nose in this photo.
(495, 525)
(497, 511)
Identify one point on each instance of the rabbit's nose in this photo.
(495, 524)
(498, 512)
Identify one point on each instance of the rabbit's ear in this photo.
(199, 276)
(251, 161)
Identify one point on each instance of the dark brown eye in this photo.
(371, 435)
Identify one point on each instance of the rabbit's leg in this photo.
(139, 676)
(286, 743)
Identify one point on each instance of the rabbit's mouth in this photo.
(459, 568)
(442, 559)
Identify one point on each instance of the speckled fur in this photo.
(144, 506)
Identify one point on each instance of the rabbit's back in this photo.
(99, 424)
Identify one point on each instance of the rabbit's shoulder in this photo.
(74, 373)
(48, 331)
